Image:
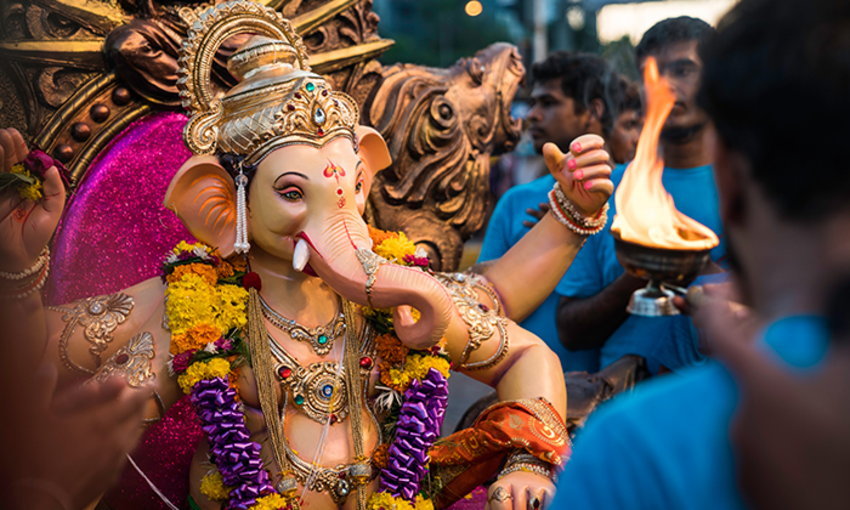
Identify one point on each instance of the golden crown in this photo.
(278, 101)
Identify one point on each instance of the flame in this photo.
(646, 214)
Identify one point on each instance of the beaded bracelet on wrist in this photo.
(527, 468)
(32, 283)
(565, 212)
(521, 460)
(33, 269)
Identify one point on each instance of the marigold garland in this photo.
(201, 370)
(386, 501)
(212, 486)
(206, 307)
(196, 337)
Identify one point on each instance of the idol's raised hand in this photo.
(29, 213)
(584, 173)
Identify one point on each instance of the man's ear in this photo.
(203, 196)
(595, 111)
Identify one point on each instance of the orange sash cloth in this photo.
(481, 450)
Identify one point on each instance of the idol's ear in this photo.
(203, 196)
(373, 150)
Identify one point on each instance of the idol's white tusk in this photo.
(301, 255)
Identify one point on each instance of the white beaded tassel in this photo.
(241, 245)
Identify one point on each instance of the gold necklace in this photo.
(320, 338)
(318, 390)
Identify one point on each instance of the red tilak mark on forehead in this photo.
(333, 170)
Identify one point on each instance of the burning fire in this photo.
(646, 214)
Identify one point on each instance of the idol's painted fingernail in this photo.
(576, 147)
(571, 164)
(579, 174)
(588, 185)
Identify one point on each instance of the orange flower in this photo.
(205, 271)
(196, 337)
(224, 269)
(238, 263)
(378, 236)
(381, 456)
(390, 349)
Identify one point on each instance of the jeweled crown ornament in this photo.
(278, 101)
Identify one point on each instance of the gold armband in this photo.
(482, 322)
(100, 316)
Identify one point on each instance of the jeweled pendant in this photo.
(319, 116)
(323, 339)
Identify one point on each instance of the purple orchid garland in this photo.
(418, 427)
(236, 456)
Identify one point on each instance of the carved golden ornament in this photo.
(134, 361)
(279, 100)
(100, 316)
(481, 321)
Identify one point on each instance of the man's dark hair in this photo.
(776, 82)
(584, 77)
(628, 95)
(671, 31)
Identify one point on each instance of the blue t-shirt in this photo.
(664, 341)
(667, 444)
(503, 231)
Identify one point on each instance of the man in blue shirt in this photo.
(569, 99)
(596, 290)
(774, 71)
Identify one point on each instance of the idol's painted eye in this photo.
(358, 186)
(292, 194)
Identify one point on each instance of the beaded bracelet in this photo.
(521, 460)
(565, 212)
(22, 290)
(34, 268)
(526, 468)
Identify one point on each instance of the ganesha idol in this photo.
(315, 349)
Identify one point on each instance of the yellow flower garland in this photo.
(200, 370)
(386, 501)
(395, 248)
(212, 486)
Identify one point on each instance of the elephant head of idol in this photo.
(304, 165)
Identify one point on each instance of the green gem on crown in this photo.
(299, 399)
(310, 87)
(323, 339)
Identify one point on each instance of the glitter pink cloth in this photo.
(114, 234)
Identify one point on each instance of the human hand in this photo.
(520, 490)
(537, 214)
(70, 446)
(26, 226)
(790, 432)
(584, 173)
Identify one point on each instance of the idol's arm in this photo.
(120, 334)
(529, 381)
(528, 273)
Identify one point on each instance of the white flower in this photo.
(211, 348)
(387, 398)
